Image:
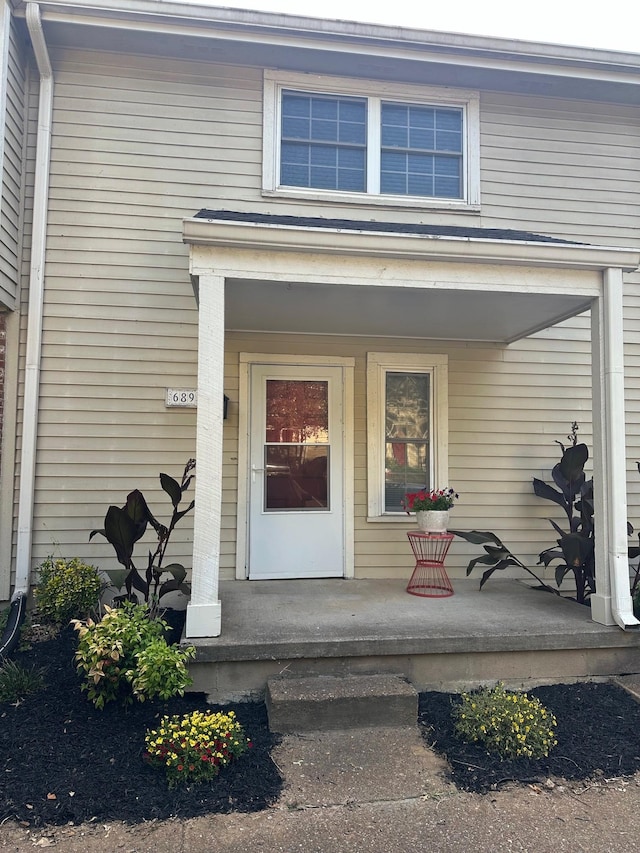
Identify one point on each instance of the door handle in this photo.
(255, 471)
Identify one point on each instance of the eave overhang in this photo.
(371, 51)
(286, 278)
(432, 247)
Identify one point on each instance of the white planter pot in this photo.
(433, 521)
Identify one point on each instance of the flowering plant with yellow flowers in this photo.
(513, 725)
(194, 747)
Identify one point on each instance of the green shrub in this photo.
(67, 589)
(513, 725)
(125, 655)
(194, 747)
(17, 681)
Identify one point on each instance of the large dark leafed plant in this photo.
(496, 557)
(124, 526)
(574, 550)
(574, 494)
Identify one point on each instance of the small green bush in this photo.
(194, 747)
(513, 725)
(67, 589)
(125, 655)
(17, 681)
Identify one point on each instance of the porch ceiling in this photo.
(312, 308)
(315, 275)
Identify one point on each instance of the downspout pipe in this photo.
(618, 559)
(36, 303)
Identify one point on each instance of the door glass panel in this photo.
(296, 453)
(407, 436)
(297, 411)
(296, 477)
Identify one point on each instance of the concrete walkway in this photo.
(377, 791)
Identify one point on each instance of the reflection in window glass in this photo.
(296, 477)
(297, 411)
(407, 436)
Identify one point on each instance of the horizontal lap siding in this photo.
(136, 149)
(562, 168)
(12, 171)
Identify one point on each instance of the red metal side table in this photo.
(429, 577)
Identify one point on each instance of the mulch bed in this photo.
(598, 735)
(62, 761)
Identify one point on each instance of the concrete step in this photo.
(324, 702)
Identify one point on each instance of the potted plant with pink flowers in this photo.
(431, 507)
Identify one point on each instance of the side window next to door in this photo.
(406, 428)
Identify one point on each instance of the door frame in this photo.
(246, 361)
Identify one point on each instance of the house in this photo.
(403, 256)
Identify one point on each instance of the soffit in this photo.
(316, 276)
(415, 64)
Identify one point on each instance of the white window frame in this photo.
(378, 365)
(275, 81)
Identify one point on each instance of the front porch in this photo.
(507, 632)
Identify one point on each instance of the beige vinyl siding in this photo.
(570, 169)
(140, 143)
(12, 172)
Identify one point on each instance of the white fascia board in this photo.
(352, 38)
(211, 232)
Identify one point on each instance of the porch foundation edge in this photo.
(232, 681)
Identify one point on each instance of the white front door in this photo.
(296, 472)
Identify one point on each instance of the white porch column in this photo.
(203, 610)
(612, 602)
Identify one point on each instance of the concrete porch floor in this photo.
(507, 632)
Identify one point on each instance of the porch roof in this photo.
(441, 282)
(367, 226)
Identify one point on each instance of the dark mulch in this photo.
(598, 735)
(61, 760)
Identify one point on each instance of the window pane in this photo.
(407, 436)
(297, 411)
(295, 128)
(295, 105)
(296, 477)
(407, 407)
(333, 134)
(406, 470)
(411, 136)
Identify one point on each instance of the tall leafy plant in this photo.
(124, 526)
(574, 551)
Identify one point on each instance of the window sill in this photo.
(400, 518)
(365, 200)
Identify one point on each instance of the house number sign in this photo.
(186, 397)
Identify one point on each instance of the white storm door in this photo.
(296, 472)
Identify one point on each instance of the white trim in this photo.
(369, 245)
(246, 360)
(204, 610)
(378, 364)
(40, 207)
(275, 81)
(8, 451)
(612, 603)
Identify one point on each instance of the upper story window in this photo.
(403, 145)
